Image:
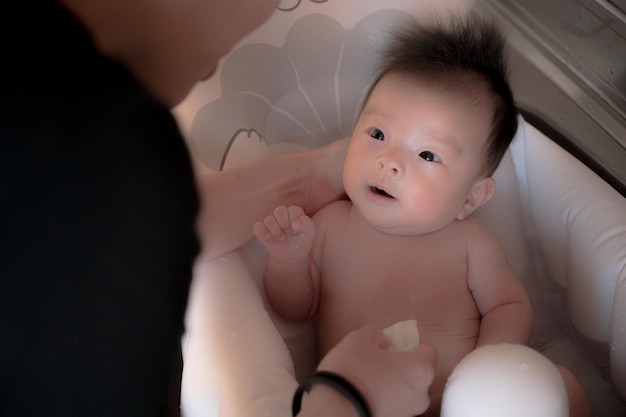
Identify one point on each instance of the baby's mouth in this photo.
(380, 191)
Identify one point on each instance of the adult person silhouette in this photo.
(100, 224)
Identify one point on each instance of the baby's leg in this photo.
(579, 405)
(510, 380)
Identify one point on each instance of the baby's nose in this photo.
(388, 163)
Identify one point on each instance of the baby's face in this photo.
(415, 155)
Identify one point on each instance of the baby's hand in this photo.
(287, 234)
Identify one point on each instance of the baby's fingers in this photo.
(281, 223)
(297, 218)
(261, 232)
(273, 230)
(281, 216)
(290, 219)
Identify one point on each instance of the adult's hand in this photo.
(234, 199)
(395, 384)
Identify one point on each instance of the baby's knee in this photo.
(505, 380)
(579, 404)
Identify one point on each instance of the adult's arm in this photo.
(395, 384)
(232, 200)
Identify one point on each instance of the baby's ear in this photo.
(481, 192)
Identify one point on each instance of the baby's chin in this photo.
(398, 228)
(385, 214)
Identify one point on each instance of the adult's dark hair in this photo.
(466, 54)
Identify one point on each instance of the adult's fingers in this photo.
(394, 383)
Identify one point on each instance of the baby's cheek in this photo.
(351, 176)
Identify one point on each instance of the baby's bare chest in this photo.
(388, 280)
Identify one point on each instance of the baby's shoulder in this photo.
(333, 212)
(472, 223)
(339, 207)
(478, 236)
(475, 231)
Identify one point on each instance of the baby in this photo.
(432, 130)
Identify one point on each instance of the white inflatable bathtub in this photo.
(296, 83)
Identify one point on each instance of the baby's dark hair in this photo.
(464, 53)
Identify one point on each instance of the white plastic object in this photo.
(505, 380)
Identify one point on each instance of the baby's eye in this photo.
(429, 156)
(377, 134)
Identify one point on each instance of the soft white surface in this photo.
(564, 229)
(236, 361)
(505, 380)
(236, 355)
(576, 224)
(565, 236)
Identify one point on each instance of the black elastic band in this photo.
(339, 384)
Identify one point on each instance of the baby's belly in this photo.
(453, 331)
(451, 348)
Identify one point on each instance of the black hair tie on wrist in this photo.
(339, 384)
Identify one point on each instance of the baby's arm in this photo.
(500, 297)
(290, 282)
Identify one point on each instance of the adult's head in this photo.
(169, 45)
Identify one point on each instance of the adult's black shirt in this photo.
(97, 212)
